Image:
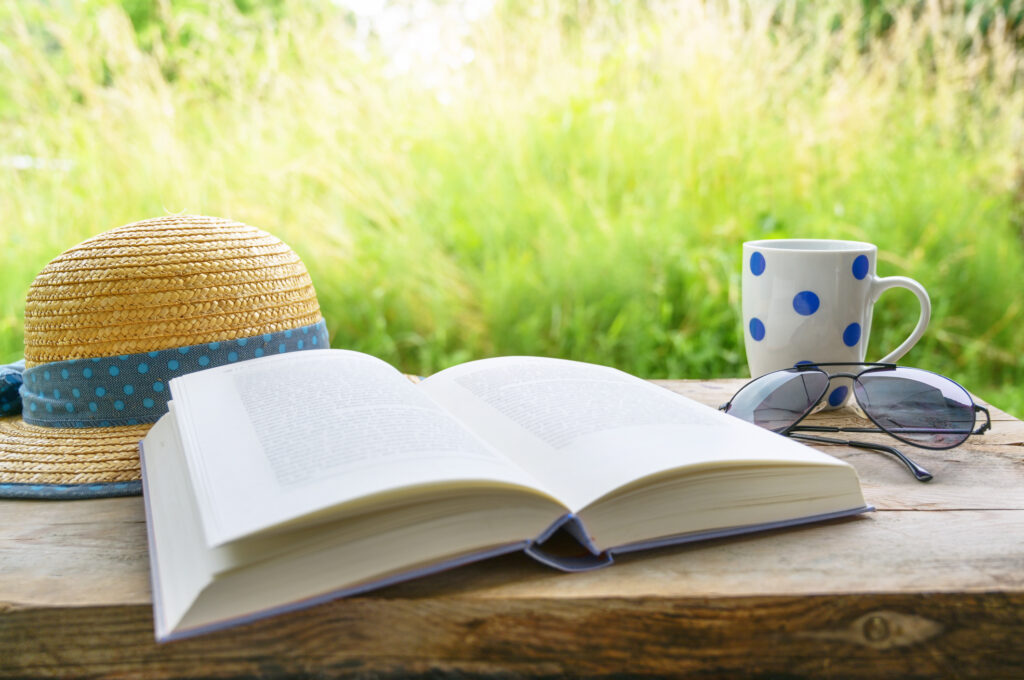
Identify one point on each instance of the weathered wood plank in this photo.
(882, 552)
(932, 584)
(885, 552)
(910, 636)
(74, 553)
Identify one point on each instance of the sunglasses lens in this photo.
(917, 406)
(777, 400)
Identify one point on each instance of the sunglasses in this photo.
(915, 406)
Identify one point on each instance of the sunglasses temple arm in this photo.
(829, 428)
(988, 420)
(920, 474)
(920, 430)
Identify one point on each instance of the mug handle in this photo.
(881, 285)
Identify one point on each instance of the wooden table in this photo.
(930, 585)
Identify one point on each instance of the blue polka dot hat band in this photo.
(131, 389)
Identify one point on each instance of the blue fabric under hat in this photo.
(10, 382)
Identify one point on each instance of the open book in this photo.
(285, 481)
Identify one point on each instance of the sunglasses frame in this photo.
(795, 428)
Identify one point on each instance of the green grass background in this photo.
(578, 186)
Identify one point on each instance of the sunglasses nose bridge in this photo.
(851, 376)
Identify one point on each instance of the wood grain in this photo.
(881, 552)
(931, 585)
(909, 636)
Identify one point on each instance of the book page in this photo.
(275, 439)
(584, 430)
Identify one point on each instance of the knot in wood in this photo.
(883, 629)
(876, 628)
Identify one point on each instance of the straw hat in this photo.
(108, 322)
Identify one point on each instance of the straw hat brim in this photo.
(30, 454)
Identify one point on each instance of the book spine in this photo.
(566, 545)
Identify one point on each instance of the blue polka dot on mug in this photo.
(757, 264)
(757, 329)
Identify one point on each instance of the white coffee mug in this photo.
(810, 300)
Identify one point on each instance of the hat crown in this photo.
(164, 283)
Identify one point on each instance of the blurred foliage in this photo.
(576, 183)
